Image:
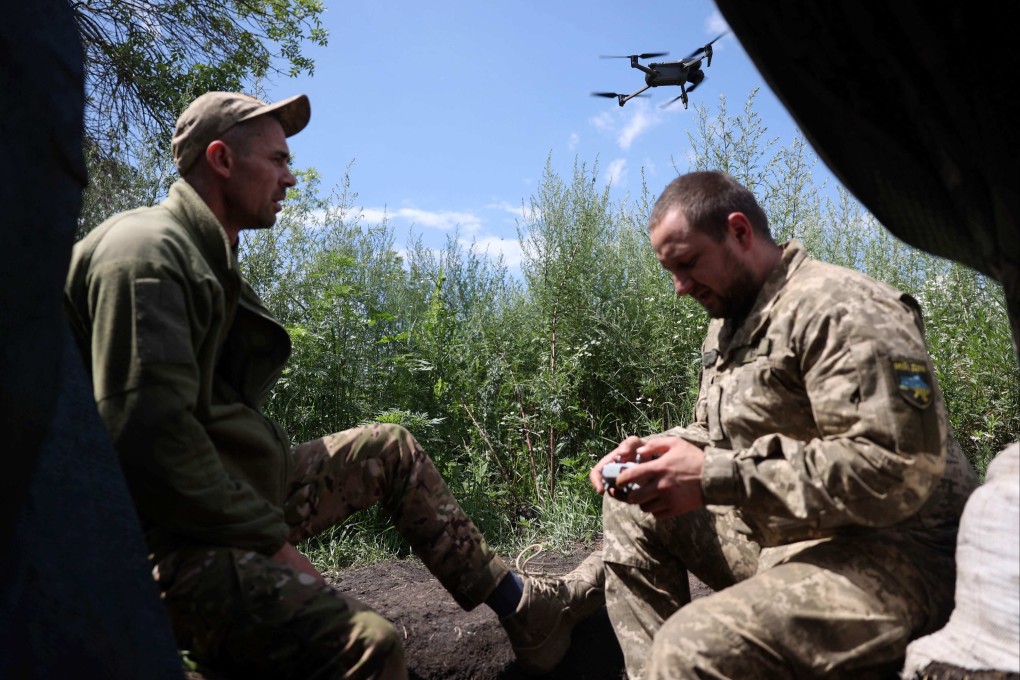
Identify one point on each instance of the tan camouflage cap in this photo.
(214, 113)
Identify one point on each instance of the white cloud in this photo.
(470, 224)
(615, 172)
(514, 209)
(629, 123)
(573, 141)
(494, 246)
(375, 215)
(716, 24)
(442, 220)
(604, 121)
(642, 119)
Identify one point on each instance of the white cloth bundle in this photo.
(983, 632)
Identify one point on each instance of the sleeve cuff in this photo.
(719, 477)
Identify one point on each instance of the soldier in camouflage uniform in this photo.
(182, 354)
(818, 490)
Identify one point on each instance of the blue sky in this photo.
(449, 110)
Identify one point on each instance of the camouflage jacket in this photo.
(182, 355)
(820, 413)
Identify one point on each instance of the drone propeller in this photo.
(615, 95)
(706, 49)
(646, 55)
(674, 99)
(691, 86)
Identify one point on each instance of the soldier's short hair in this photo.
(706, 198)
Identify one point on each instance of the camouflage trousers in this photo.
(244, 613)
(832, 608)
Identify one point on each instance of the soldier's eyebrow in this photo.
(281, 156)
(683, 263)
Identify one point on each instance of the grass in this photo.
(572, 518)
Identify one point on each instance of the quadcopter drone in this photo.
(686, 73)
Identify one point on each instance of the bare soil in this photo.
(443, 641)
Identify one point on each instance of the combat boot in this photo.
(551, 606)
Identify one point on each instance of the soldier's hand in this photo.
(669, 479)
(625, 452)
(290, 556)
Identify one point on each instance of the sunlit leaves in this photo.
(146, 59)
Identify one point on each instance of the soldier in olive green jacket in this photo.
(818, 489)
(183, 354)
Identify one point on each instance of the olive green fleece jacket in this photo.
(182, 355)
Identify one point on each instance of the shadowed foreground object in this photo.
(912, 106)
(77, 599)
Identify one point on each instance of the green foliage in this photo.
(516, 386)
(610, 345)
(736, 145)
(146, 59)
(337, 289)
(365, 537)
(970, 343)
(140, 175)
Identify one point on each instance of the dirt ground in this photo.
(442, 641)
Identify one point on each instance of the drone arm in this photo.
(641, 67)
(624, 98)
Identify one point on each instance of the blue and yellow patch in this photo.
(913, 381)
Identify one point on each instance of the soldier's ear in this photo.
(738, 225)
(219, 157)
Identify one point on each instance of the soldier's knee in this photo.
(691, 644)
(670, 647)
(397, 445)
(700, 642)
(622, 519)
(393, 432)
(395, 438)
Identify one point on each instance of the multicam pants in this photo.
(837, 608)
(242, 611)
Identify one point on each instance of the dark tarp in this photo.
(913, 106)
(77, 599)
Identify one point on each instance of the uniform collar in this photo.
(188, 207)
(733, 335)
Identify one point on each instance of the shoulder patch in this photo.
(913, 381)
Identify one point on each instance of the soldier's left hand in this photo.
(625, 452)
(293, 558)
(669, 481)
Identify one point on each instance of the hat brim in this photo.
(292, 112)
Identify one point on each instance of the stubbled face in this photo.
(713, 273)
(261, 176)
